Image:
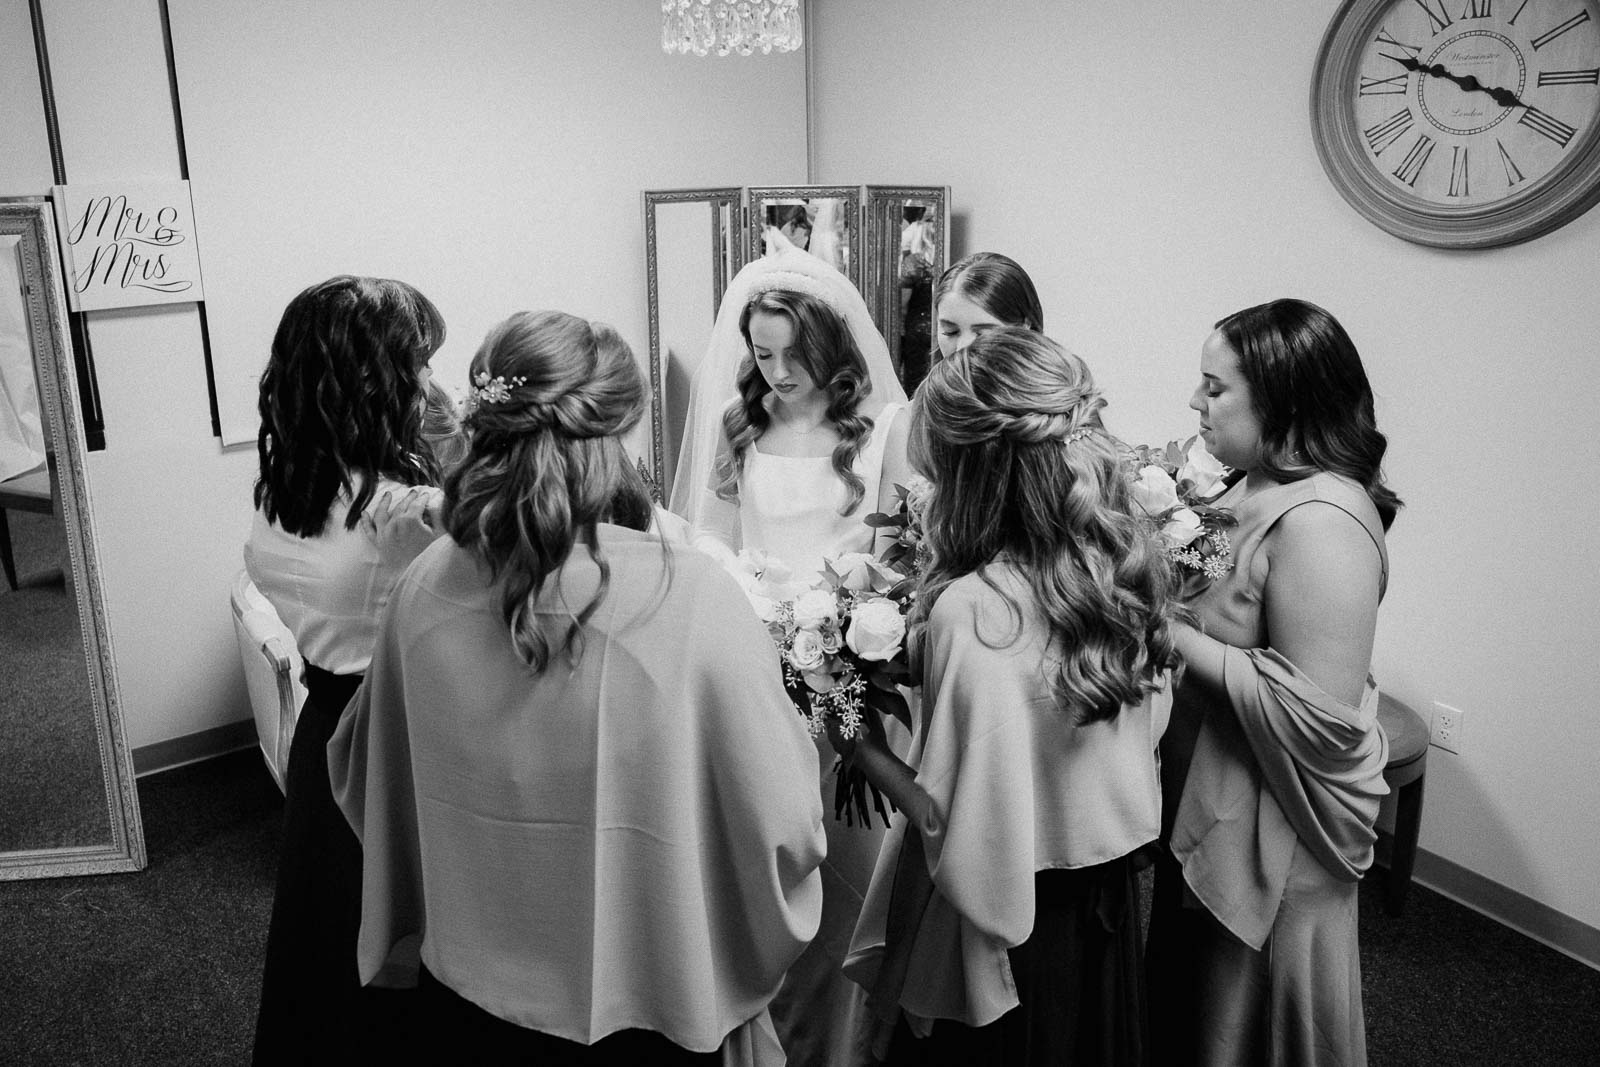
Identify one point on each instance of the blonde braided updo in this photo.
(552, 394)
(1009, 432)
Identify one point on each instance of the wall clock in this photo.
(1461, 123)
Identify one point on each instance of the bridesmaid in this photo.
(342, 507)
(979, 292)
(572, 764)
(1273, 769)
(1001, 925)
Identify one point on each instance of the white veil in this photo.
(715, 382)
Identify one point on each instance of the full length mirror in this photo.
(67, 799)
(892, 242)
(908, 244)
(692, 247)
(824, 220)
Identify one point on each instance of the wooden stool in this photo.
(1405, 771)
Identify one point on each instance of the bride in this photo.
(792, 440)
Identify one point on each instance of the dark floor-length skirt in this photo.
(1079, 976)
(313, 1008)
(1296, 1001)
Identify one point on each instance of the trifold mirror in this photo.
(891, 241)
(67, 797)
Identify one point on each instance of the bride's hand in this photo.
(870, 736)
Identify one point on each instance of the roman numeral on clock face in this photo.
(1565, 77)
(1385, 86)
(1415, 160)
(1555, 129)
(1458, 170)
(1512, 21)
(1477, 9)
(1545, 38)
(1385, 37)
(1513, 174)
(1388, 131)
(1440, 19)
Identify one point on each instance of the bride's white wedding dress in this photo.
(789, 505)
(789, 508)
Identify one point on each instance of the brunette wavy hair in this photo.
(1009, 432)
(1310, 391)
(341, 400)
(546, 463)
(998, 285)
(828, 351)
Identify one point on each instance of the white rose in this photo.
(1154, 490)
(859, 572)
(877, 629)
(1202, 470)
(831, 639)
(805, 653)
(1182, 528)
(917, 492)
(815, 608)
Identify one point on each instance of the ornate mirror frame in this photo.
(767, 196)
(890, 287)
(724, 243)
(45, 308)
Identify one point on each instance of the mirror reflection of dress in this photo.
(22, 446)
(788, 507)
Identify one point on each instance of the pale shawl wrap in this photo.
(1292, 764)
(1279, 760)
(1015, 788)
(630, 841)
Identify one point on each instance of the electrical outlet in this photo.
(1445, 730)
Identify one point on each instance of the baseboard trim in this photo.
(191, 748)
(1505, 906)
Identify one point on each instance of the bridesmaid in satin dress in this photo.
(1273, 767)
(1001, 926)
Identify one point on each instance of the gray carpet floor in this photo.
(52, 794)
(162, 966)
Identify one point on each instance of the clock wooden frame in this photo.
(1553, 200)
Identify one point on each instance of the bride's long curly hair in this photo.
(1009, 432)
(827, 350)
(546, 463)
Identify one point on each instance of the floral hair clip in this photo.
(1079, 434)
(496, 390)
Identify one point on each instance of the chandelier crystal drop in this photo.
(723, 26)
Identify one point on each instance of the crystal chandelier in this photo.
(723, 26)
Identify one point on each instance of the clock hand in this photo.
(1503, 97)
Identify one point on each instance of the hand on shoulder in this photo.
(401, 523)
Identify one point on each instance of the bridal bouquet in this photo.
(1175, 486)
(843, 640)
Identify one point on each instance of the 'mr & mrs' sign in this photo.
(128, 243)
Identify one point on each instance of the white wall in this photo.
(1151, 165)
(598, 114)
